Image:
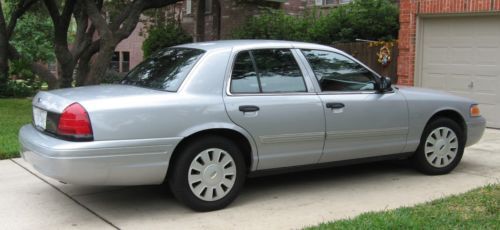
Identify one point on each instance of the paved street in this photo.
(29, 200)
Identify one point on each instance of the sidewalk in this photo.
(29, 200)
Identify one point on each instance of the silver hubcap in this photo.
(212, 174)
(441, 147)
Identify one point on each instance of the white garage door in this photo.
(461, 55)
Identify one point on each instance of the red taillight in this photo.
(74, 122)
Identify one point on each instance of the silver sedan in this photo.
(204, 116)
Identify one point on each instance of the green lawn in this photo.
(14, 113)
(477, 209)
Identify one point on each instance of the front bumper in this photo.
(122, 162)
(475, 130)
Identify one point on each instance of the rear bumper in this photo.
(123, 162)
(475, 130)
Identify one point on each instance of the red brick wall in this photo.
(409, 11)
(295, 7)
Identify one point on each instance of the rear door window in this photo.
(244, 77)
(266, 71)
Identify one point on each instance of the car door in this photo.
(360, 120)
(268, 95)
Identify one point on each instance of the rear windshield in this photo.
(164, 70)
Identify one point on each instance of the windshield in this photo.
(164, 70)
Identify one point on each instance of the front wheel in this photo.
(441, 147)
(208, 173)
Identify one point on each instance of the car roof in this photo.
(254, 44)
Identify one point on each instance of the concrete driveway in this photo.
(29, 200)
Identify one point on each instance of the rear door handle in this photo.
(335, 105)
(249, 108)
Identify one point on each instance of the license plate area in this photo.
(40, 118)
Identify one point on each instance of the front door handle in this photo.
(335, 105)
(249, 108)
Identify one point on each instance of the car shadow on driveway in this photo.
(256, 190)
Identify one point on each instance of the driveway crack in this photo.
(68, 196)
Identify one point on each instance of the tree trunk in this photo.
(4, 47)
(66, 75)
(83, 69)
(100, 63)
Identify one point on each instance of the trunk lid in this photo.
(57, 100)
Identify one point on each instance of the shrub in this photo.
(112, 77)
(20, 88)
(365, 19)
(162, 36)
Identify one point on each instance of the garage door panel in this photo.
(484, 84)
(458, 83)
(488, 41)
(461, 55)
(485, 99)
(435, 80)
(455, 69)
(437, 55)
(485, 70)
(458, 42)
(487, 56)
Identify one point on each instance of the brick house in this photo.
(220, 17)
(453, 45)
(129, 53)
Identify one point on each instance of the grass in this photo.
(476, 209)
(14, 113)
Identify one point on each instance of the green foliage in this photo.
(14, 113)
(365, 19)
(477, 209)
(162, 36)
(111, 77)
(21, 88)
(33, 39)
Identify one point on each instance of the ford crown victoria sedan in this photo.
(204, 116)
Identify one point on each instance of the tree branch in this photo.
(97, 19)
(21, 8)
(69, 6)
(128, 19)
(53, 11)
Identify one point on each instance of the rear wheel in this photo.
(441, 147)
(208, 173)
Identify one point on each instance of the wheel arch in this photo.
(451, 114)
(242, 139)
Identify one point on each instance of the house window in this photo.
(115, 62)
(208, 6)
(331, 2)
(188, 6)
(125, 62)
(52, 66)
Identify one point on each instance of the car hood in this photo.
(58, 100)
(430, 94)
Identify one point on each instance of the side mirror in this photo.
(385, 84)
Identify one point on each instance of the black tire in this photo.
(178, 175)
(419, 159)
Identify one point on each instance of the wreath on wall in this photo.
(384, 56)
